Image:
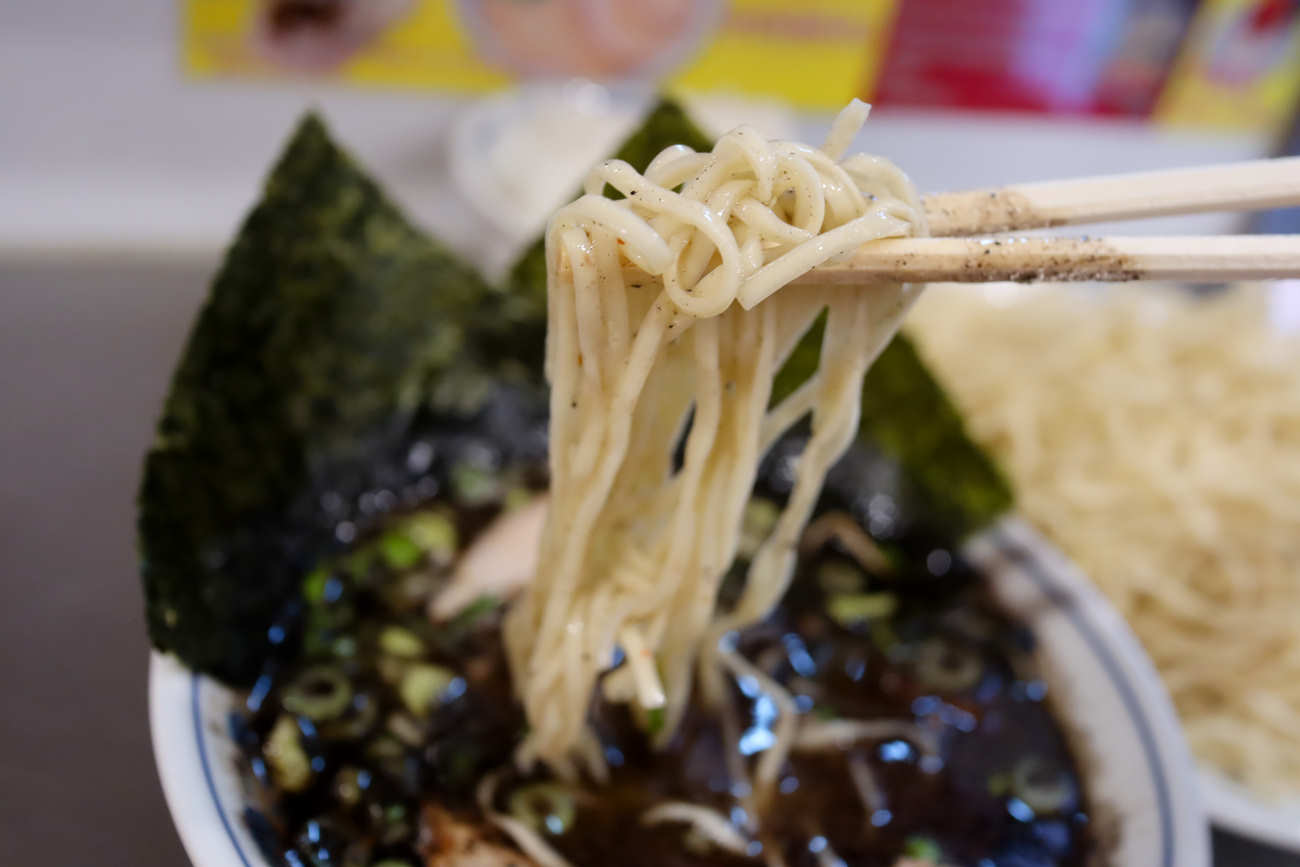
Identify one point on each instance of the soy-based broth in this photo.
(374, 741)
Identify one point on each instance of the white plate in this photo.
(1125, 733)
(1234, 808)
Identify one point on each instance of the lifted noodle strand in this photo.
(664, 306)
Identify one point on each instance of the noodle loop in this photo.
(665, 320)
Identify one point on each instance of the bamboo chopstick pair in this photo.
(965, 245)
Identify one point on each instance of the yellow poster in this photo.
(814, 54)
(1240, 68)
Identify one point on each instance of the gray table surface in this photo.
(86, 349)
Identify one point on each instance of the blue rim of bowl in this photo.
(1007, 546)
(1032, 567)
(195, 681)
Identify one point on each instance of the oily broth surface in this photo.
(1001, 782)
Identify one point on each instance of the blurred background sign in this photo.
(1228, 64)
(1089, 56)
(1240, 67)
(815, 54)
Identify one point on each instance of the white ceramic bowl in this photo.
(1237, 809)
(1134, 758)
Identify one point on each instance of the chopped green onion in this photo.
(848, 609)
(313, 586)
(654, 720)
(546, 807)
(396, 828)
(390, 669)
(384, 747)
(473, 614)
(474, 486)
(405, 729)
(884, 637)
(398, 641)
(947, 667)
(290, 767)
(347, 787)
(322, 624)
(399, 551)
(409, 592)
(1043, 785)
(760, 517)
(421, 685)
(922, 848)
(433, 533)
(836, 576)
(365, 710)
(359, 562)
(319, 692)
(518, 497)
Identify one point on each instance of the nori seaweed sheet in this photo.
(332, 324)
(336, 333)
(909, 418)
(906, 415)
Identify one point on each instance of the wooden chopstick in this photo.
(1212, 258)
(1245, 186)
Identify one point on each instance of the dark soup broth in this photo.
(924, 737)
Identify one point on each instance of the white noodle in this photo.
(709, 823)
(529, 841)
(771, 759)
(841, 527)
(1154, 438)
(864, 782)
(665, 306)
(827, 857)
(842, 733)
